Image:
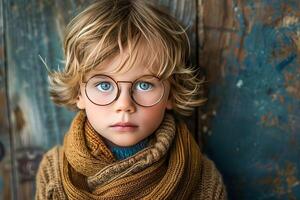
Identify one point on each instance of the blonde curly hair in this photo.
(105, 28)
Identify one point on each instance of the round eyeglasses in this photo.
(145, 91)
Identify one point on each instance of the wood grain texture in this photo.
(185, 11)
(5, 156)
(33, 29)
(250, 50)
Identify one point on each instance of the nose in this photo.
(124, 103)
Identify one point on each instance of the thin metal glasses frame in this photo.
(119, 90)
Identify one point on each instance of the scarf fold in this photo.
(168, 168)
(94, 142)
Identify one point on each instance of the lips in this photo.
(124, 127)
(124, 124)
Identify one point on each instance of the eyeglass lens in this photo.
(145, 91)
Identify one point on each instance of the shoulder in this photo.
(49, 162)
(52, 153)
(49, 157)
(209, 168)
(47, 178)
(211, 179)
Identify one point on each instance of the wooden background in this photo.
(248, 50)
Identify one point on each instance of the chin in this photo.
(126, 144)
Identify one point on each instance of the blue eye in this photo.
(104, 86)
(144, 86)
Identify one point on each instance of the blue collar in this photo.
(122, 153)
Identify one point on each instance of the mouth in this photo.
(124, 126)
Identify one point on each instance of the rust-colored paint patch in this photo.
(20, 121)
(269, 120)
(281, 99)
(3, 116)
(284, 180)
(292, 84)
(276, 96)
(7, 183)
(290, 173)
(1, 54)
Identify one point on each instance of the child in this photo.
(125, 71)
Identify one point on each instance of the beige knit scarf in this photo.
(169, 168)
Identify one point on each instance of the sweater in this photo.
(171, 167)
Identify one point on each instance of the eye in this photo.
(144, 86)
(104, 86)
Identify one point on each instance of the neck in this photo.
(122, 153)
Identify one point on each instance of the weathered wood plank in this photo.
(250, 50)
(5, 158)
(36, 28)
(186, 13)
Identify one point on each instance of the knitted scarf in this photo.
(94, 142)
(168, 168)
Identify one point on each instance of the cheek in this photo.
(95, 112)
(157, 111)
(99, 117)
(153, 115)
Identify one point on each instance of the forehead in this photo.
(128, 64)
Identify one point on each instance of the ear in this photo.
(80, 102)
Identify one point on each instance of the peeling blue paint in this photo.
(286, 62)
(254, 107)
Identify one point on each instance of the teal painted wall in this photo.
(254, 98)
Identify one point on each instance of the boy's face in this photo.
(110, 120)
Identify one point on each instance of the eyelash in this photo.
(144, 82)
(104, 82)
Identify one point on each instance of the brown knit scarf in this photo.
(169, 168)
